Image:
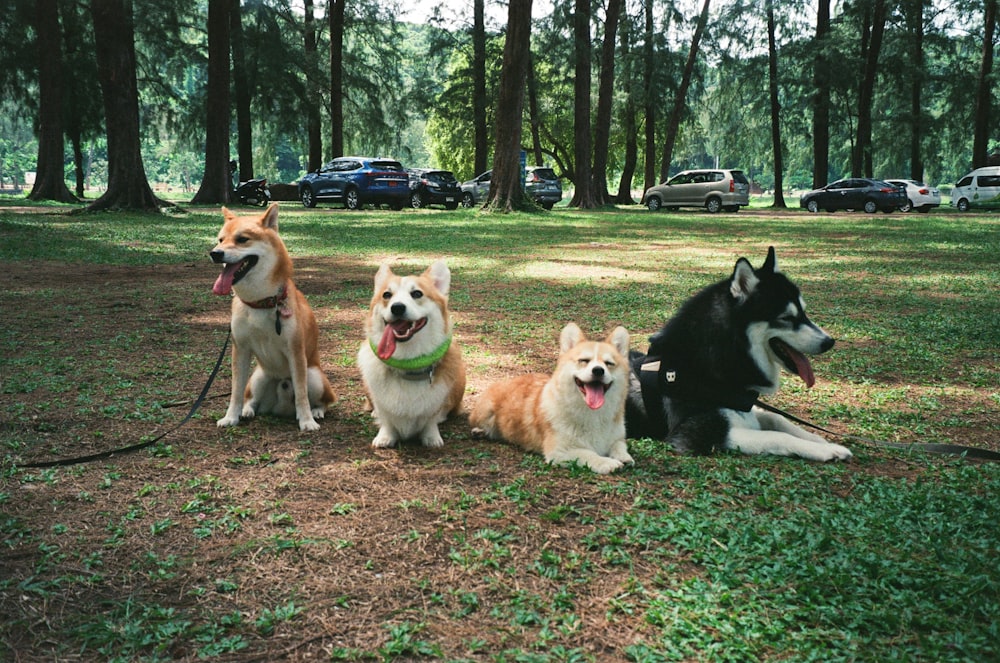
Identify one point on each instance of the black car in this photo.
(356, 182)
(433, 187)
(855, 193)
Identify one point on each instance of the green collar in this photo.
(415, 363)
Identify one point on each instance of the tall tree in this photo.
(314, 127)
(216, 185)
(335, 12)
(914, 12)
(624, 195)
(984, 91)
(680, 101)
(479, 127)
(241, 90)
(584, 195)
(649, 98)
(821, 97)
(114, 37)
(872, 30)
(50, 173)
(506, 191)
(534, 121)
(605, 96)
(772, 84)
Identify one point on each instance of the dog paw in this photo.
(479, 433)
(248, 412)
(625, 459)
(433, 441)
(319, 412)
(605, 465)
(383, 441)
(309, 424)
(837, 452)
(227, 421)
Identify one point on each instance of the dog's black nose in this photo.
(398, 309)
(217, 256)
(598, 371)
(827, 344)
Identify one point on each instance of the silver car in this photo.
(715, 189)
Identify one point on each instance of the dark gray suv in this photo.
(540, 183)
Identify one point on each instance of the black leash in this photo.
(927, 447)
(148, 443)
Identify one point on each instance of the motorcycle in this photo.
(251, 192)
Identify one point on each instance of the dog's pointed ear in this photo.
(570, 337)
(381, 276)
(440, 275)
(227, 213)
(744, 280)
(770, 265)
(619, 338)
(269, 219)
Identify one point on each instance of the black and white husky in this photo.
(697, 386)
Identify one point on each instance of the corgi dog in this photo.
(413, 372)
(271, 322)
(577, 414)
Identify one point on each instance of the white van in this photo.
(979, 189)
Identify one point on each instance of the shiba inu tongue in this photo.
(224, 284)
(593, 393)
(796, 361)
(398, 330)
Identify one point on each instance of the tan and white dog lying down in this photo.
(272, 322)
(577, 414)
(412, 370)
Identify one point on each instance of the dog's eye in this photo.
(609, 364)
(387, 295)
(417, 294)
(583, 361)
(240, 239)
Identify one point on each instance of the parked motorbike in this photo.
(251, 192)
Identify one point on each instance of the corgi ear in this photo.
(383, 274)
(570, 337)
(619, 339)
(269, 219)
(744, 280)
(440, 275)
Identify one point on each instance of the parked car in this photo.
(714, 189)
(356, 182)
(919, 196)
(855, 193)
(433, 187)
(978, 189)
(541, 184)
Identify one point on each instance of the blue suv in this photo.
(356, 182)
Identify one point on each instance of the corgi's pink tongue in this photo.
(224, 284)
(387, 344)
(593, 393)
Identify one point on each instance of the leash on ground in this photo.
(63, 462)
(927, 447)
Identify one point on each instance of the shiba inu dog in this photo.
(697, 385)
(577, 414)
(271, 322)
(412, 370)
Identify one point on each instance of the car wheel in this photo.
(732, 208)
(451, 205)
(352, 200)
(396, 205)
(871, 206)
(548, 205)
(713, 205)
(416, 200)
(924, 210)
(963, 205)
(307, 197)
(812, 206)
(907, 206)
(653, 203)
(467, 200)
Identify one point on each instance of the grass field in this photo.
(261, 543)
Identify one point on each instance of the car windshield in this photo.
(740, 177)
(387, 165)
(545, 174)
(441, 176)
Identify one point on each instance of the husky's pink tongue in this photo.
(387, 344)
(224, 284)
(593, 393)
(802, 366)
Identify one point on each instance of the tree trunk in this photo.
(772, 70)
(917, 78)
(50, 171)
(821, 97)
(680, 103)
(533, 120)
(114, 40)
(314, 126)
(624, 196)
(861, 160)
(584, 195)
(335, 9)
(981, 134)
(479, 126)
(506, 192)
(605, 96)
(241, 88)
(649, 101)
(216, 183)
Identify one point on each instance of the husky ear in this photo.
(619, 339)
(381, 276)
(269, 219)
(570, 337)
(770, 265)
(440, 275)
(744, 280)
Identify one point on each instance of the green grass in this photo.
(260, 542)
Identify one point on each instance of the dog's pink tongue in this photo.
(387, 344)
(593, 393)
(802, 366)
(224, 284)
